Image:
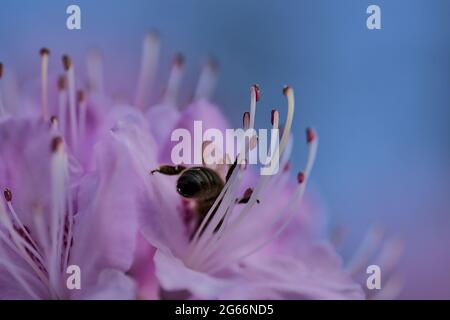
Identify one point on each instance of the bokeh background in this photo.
(379, 99)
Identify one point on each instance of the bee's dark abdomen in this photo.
(199, 183)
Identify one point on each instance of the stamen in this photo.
(82, 113)
(18, 275)
(263, 180)
(207, 81)
(149, 61)
(20, 244)
(62, 102)
(288, 212)
(44, 53)
(173, 85)
(54, 124)
(59, 176)
(70, 77)
(254, 97)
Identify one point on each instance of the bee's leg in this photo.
(169, 170)
(230, 170)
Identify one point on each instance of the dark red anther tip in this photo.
(272, 116)
(300, 177)
(179, 59)
(286, 89)
(310, 135)
(248, 193)
(44, 52)
(287, 166)
(8, 194)
(66, 62)
(53, 119)
(257, 94)
(1, 70)
(56, 142)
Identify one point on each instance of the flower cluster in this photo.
(76, 169)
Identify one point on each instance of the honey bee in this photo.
(201, 184)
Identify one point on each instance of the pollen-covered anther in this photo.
(310, 135)
(67, 62)
(56, 144)
(300, 177)
(7, 194)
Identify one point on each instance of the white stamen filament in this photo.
(22, 227)
(207, 82)
(70, 76)
(212, 243)
(62, 106)
(173, 85)
(44, 83)
(20, 244)
(59, 175)
(253, 100)
(19, 276)
(149, 62)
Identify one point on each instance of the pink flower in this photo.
(70, 198)
(238, 253)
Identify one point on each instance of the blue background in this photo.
(379, 99)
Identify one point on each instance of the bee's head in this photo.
(189, 185)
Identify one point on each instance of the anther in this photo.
(310, 135)
(44, 52)
(255, 87)
(67, 63)
(8, 195)
(274, 116)
(300, 177)
(179, 60)
(56, 144)
(53, 120)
